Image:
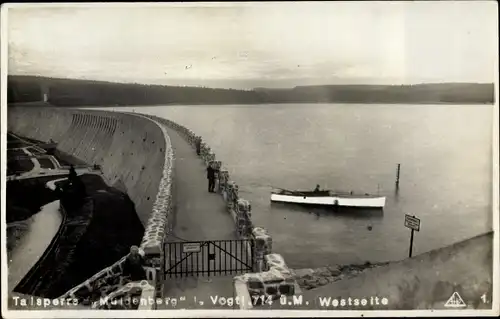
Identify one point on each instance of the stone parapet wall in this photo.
(271, 277)
(99, 285)
(159, 223)
(111, 289)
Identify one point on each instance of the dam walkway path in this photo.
(199, 215)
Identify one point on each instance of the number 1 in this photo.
(483, 298)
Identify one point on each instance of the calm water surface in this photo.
(43, 226)
(445, 154)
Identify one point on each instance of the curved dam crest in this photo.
(129, 149)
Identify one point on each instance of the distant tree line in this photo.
(67, 92)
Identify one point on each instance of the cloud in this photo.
(377, 41)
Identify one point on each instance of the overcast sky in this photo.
(268, 44)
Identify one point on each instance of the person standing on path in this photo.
(211, 178)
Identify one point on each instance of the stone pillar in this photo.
(197, 145)
(152, 265)
(191, 137)
(263, 245)
(203, 147)
(153, 250)
(243, 218)
(232, 195)
(197, 138)
(205, 152)
(228, 194)
(285, 283)
(223, 179)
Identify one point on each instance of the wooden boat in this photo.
(329, 198)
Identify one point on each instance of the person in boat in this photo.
(211, 178)
(317, 189)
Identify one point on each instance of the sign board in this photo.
(412, 222)
(191, 248)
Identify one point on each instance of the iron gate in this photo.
(211, 257)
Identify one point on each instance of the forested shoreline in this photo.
(72, 92)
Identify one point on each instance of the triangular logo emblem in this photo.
(455, 301)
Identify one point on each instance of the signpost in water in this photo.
(414, 224)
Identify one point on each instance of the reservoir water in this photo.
(42, 227)
(445, 153)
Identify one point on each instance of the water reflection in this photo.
(396, 194)
(328, 211)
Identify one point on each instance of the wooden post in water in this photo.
(397, 175)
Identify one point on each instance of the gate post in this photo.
(262, 246)
(205, 149)
(153, 265)
(208, 259)
(154, 257)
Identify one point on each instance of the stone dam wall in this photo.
(129, 149)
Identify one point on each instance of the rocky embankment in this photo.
(308, 278)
